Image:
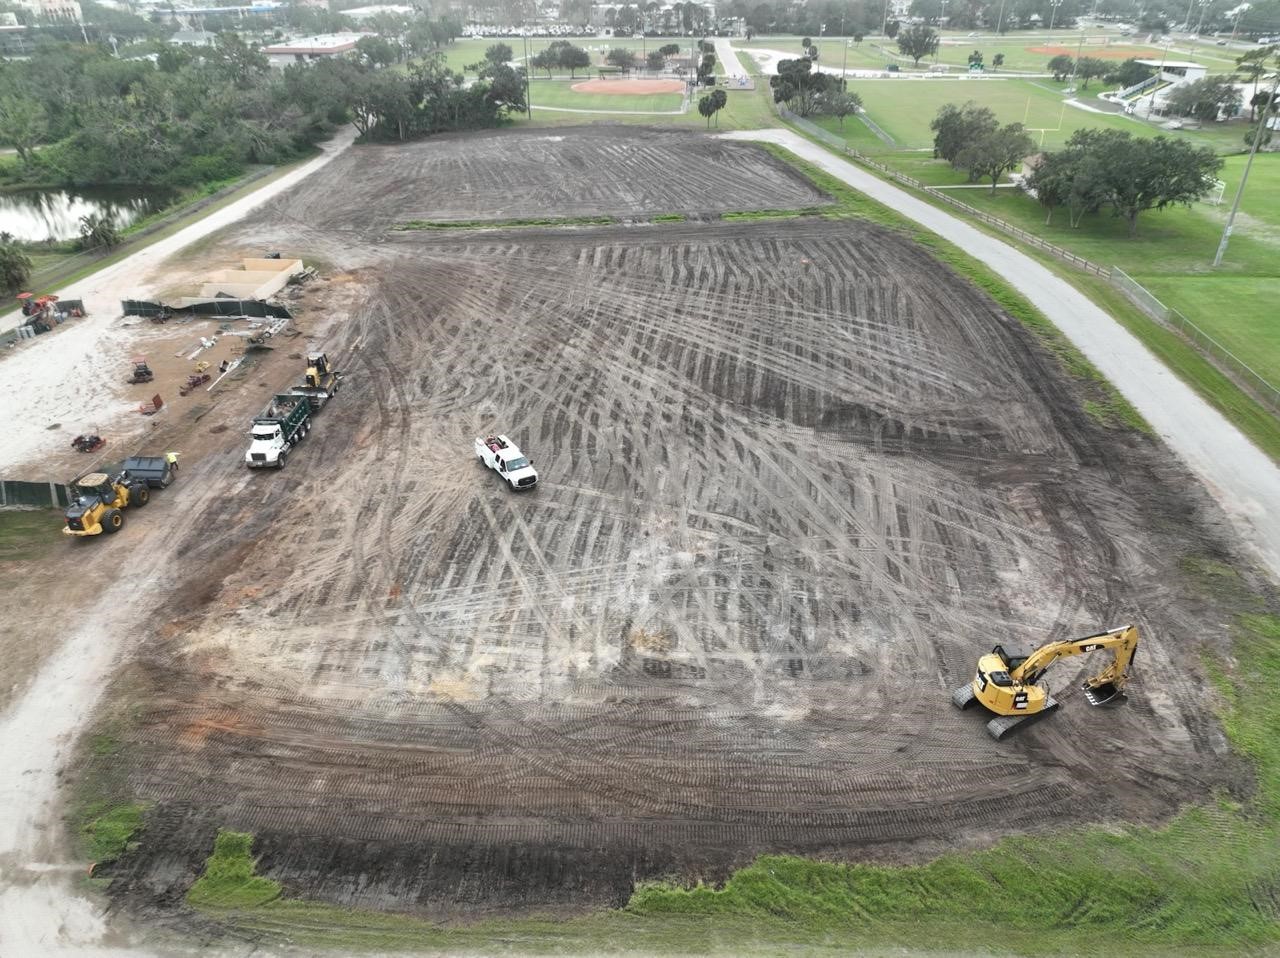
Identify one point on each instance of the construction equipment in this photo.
(1007, 684)
(99, 503)
(320, 383)
(151, 406)
(88, 442)
(194, 382)
(141, 371)
(280, 427)
(156, 471)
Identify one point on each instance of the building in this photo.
(310, 49)
(365, 13)
(53, 9)
(1176, 71)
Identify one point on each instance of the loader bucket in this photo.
(1106, 695)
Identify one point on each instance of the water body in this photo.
(35, 216)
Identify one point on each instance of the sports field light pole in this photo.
(1244, 177)
(844, 64)
(1203, 5)
(884, 23)
(1151, 101)
(1053, 7)
(1000, 19)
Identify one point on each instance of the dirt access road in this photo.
(1243, 480)
(796, 477)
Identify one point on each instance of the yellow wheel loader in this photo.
(1008, 684)
(99, 503)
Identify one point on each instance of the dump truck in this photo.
(280, 427)
(320, 382)
(155, 471)
(99, 503)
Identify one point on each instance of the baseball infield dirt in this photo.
(796, 476)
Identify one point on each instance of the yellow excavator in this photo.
(1007, 684)
(100, 502)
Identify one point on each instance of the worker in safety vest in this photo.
(172, 459)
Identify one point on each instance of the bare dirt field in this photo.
(629, 87)
(500, 176)
(796, 477)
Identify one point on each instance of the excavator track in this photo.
(964, 697)
(1006, 725)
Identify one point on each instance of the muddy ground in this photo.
(796, 477)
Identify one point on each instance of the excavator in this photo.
(1008, 685)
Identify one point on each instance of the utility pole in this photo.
(1076, 65)
(1203, 5)
(844, 64)
(884, 24)
(1151, 100)
(1000, 19)
(1244, 177)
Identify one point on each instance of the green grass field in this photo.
(558, 93)
(905, 108)
(463, 53)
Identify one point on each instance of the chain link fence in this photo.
(1224, 359)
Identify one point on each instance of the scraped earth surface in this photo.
(796, 477)
(584, 171)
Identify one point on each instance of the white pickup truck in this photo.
(504, 457)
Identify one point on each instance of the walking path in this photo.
(1245, 482)
(728, 56)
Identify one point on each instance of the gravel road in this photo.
(1242, 478)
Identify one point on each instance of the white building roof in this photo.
(328, 43)
(1173, 63)
(361, 13)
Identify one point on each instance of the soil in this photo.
(504, 175)
(796, 476)
(629, 87)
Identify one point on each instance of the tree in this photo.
(15, 265)
(857, 39)
(1061, 66)
(621, 57)
(545, 60)
(1129, 73)
(498, 53)
(655, 61)
(956, 127)
(707, 66)
(918, 41)
(805, 44)
(669, 49)
(1253, 65)
(376, 52)
(891, 29)
(1089, 67)
(718, 100)
(798, 86)
(1205, 99)
(1134, 174)
(574, 59)
(99, 231)
(706, 108)
(839, 103)
(506, 88)
(235, 59)
(995, 152)
(975, 58)
(997, 62)
(23, 123)
(1067, 178)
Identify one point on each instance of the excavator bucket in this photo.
(1106, 695)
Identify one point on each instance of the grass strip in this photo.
(739, 215)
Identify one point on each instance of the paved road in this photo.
(1245, 482)
(728, 56)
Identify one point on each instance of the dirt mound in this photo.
(628, 87)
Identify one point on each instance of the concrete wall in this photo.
(257, 279)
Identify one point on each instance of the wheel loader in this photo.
(99, 503)
(1008, 686)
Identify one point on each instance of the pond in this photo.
(36, 216)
